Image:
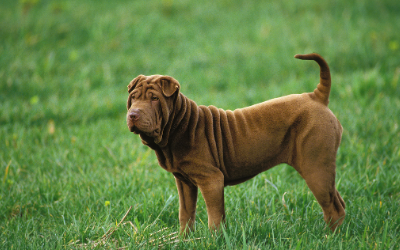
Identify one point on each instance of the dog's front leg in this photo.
(212, 189)
(187, 205)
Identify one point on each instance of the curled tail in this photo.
(324, 87)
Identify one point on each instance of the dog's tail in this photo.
(324, 87)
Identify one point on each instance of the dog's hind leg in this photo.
(319, 174)
(316, 163)
(322, 185)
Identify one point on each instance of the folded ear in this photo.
(168, 85)
(133, 83)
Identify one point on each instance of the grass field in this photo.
(70, 169)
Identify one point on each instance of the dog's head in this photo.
(150, 104)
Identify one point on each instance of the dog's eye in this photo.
(154, 98)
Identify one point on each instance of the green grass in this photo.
(70, 169)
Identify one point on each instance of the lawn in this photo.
(72, 175)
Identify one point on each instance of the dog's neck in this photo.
(177, 131)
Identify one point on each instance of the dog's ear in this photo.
(133, 83)
(169, 85)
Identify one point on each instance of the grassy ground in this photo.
(70, 169)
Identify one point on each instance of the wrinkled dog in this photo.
(208, 148)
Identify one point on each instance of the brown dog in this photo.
(209, 148)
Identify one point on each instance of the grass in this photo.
(70, 169)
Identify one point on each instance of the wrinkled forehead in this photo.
(148, 83)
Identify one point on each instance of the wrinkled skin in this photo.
(207, 148)
(147, 111)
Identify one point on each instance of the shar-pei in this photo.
(208, 148)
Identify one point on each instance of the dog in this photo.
(208, 148)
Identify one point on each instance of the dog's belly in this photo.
(267, 134)
(259, 156)
(260, 137)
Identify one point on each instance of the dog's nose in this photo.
(134, 114)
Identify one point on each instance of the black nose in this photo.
(134, 114)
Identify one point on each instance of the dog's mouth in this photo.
(135, 130)
(133, 127)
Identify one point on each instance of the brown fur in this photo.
(208, 148)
